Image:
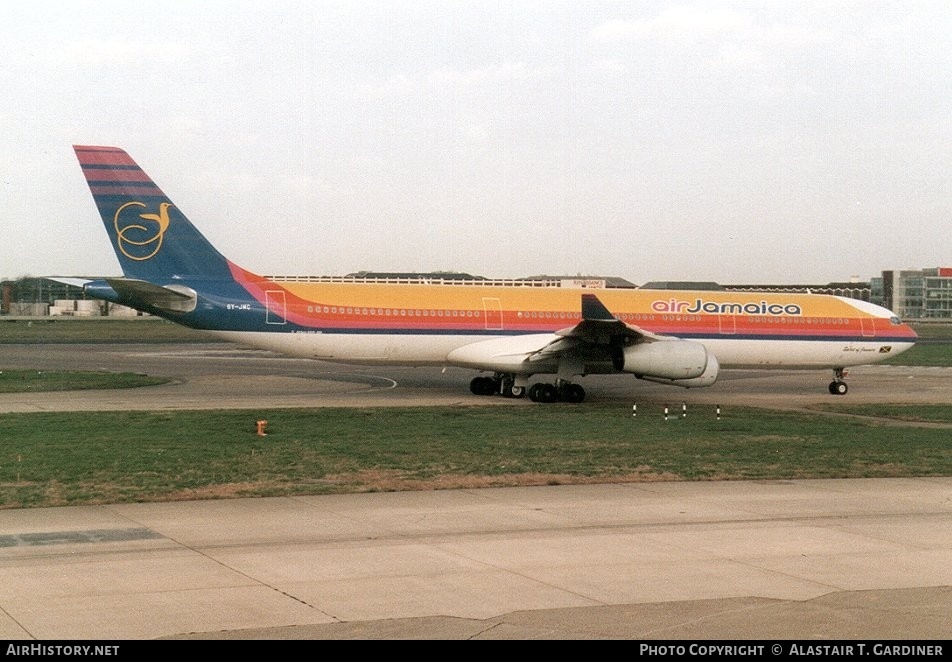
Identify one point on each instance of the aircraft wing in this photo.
(599, 337)
(597, 328)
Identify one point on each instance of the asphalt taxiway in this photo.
(749, 560)
(217, 375)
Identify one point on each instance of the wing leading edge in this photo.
(599, 338)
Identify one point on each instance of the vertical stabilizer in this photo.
(153, 239)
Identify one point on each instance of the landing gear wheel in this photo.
(571, 393)
(838, 387)
(483, 386)
(543, 393)
(518, 391)
(549, 393)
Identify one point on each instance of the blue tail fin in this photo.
(153, 239)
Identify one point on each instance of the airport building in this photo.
(41, 297)
(852, 289)
(916, 294)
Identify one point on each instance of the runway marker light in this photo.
(261, 425)
(634, 409)
(684, 410)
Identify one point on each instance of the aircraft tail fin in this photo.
(153, 239)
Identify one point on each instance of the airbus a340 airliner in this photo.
(509, 331)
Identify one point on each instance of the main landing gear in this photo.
(838, 386)
(498, 385)
(506, 386)
(560, 392)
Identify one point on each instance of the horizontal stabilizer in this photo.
(74, 282)
(143, 295)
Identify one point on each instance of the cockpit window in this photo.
(895, 320)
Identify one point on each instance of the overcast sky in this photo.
(738, 142)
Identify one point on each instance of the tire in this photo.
(535, 392)
(838, 388)
(548, 393)
(572, 393)
(482, 386)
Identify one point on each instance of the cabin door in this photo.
(493, 311)
(275, 307)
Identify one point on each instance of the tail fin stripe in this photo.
(115, 179)
(108, 174)
(119, 172)
(145, 191)
(107, 156)
(108, 166)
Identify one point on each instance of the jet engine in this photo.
(679, 362)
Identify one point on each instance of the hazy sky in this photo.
(730, 141)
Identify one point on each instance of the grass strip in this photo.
(68, 458)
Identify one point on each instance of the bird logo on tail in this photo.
(137, 240)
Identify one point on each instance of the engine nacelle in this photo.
(669, 359)
(707, 378)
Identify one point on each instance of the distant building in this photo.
(415, 276)
(683, 285)
(39, 297)
(850, 290)
(916, 294)
(584, 281)
(34, 296)
(853, 290)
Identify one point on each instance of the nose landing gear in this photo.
(838, 385)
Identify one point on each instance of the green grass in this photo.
(923, 354)
(95, 330)
(37, 381)
(904, 412)
(54, 459)
(933, 330)
(933, 349)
